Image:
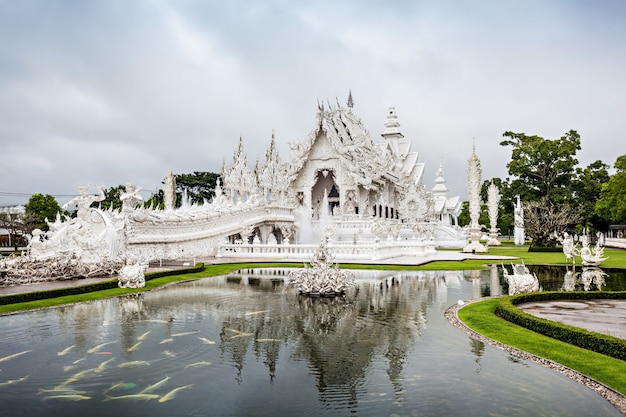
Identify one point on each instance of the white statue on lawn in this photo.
(493, 202)
(519, 232)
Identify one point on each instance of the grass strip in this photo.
(480, 317)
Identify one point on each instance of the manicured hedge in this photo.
(597, 342)
(83, 289)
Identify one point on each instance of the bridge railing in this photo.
(374, 251)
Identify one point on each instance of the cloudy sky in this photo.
(114, 91)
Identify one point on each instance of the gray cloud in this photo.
(110, 92)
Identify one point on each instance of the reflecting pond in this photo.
(244, 345)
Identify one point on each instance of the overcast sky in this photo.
(109, 92)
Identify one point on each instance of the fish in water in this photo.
(143, 336)
(155, 386)
(68, 368)
(133, 347)
(15, 355)
(100, 367)
(100, 346)
(68, 397)
(198, 364)
(66, 350)
(61, 390)
(120, 385)
(134, 397)
(253, 313)
(206, 341)
(78, 376)
(132, 364)
(162, 342)
(184, 333)
(170, 395)
(268, 340)
(239, 333)
(13, 381)
(168, 353)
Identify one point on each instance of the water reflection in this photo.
(244, 344)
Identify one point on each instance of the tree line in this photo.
(557, 194)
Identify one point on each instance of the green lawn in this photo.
(480, 317)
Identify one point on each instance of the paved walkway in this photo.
(602, 316)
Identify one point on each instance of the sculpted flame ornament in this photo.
(322, 278)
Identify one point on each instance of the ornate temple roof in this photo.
(368, 163)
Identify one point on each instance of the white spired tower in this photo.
(474, 174)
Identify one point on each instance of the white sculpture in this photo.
(474, 173)
(591, 256)
(132, 274)
(169, 191)
(569, 249)
(493, 202)
(519, 233)
(322, 278)
(521, 280)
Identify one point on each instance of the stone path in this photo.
(602, 316)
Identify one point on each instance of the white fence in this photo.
(341, 251)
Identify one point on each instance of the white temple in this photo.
(367, 198)
(340, 178)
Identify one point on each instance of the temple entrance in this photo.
(325, 194)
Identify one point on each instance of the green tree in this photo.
(586, 187)
(156, 200)
(112, 198)
(41, 208)
(612, 202)
(200, 186)
(542, 168)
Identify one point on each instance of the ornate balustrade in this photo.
(340, 250)
(214, 224)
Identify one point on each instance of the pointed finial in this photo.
(350, 100)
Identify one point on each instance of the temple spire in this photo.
(350, 100)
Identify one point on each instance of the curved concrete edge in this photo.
(617, 399)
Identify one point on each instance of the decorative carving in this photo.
(169, 191)
(474, 173)
(132, 274)
(518, 232)
(321, 278)
(493, 203)
(521, 280)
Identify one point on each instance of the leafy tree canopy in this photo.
(542, 168)
(42, 207)
(200, 186)
(612, 202)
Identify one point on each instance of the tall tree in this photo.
(612, 202)
(586, 187)
(41, 208)
(542, 168)
(200, 186)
